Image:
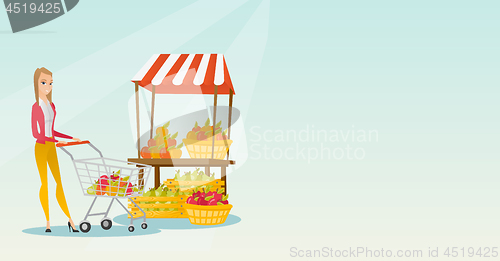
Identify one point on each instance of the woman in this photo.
(43, 114)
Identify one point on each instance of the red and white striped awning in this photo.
(185, 74)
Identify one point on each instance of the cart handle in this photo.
(77, 143)
(72, 143)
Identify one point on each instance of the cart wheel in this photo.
(106, 224)
(85, 227)
(144, 225)
(131, 228)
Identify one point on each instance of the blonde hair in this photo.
(36, 77)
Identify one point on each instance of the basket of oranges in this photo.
(199, 141)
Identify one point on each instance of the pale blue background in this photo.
(424, 74)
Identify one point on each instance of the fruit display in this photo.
(199, 141)
(169, 199)
(161, 202)
(163, 145)
(112, 185)
(206, 132)
(159, 193)
(190, 180)
(196, 175)
(208, 198)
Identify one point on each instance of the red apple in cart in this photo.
(115, 176)
(104, 181)
(145, 154)
(130, 189)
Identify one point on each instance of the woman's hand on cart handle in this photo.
(77, 139)
(75, 142)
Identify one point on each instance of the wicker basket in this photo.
(207, 215)
(203, 149)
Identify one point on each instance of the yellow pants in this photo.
(46, 153)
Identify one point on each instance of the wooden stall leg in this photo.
(157, 177)
(223, 178)
(137, 120)
(214, 120)
(141, 178)
(207, 170)
(229, 118)
(152, 111)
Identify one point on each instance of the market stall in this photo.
(196, 74)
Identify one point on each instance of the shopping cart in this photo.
(109, 178)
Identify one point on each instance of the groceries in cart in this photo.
(113, 185)
(128, 181)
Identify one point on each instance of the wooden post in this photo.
(141, 171)
(214, 122)
(223, 178)
(157, 177)
(141, 178)
(229, 117)
(137, 120)
(207, 170)
(152, 111)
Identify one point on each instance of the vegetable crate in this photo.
(170, 207)
(160, 207)
(187, 187)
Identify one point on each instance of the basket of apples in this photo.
(207, 208)
(199, 141)
(163, 145)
